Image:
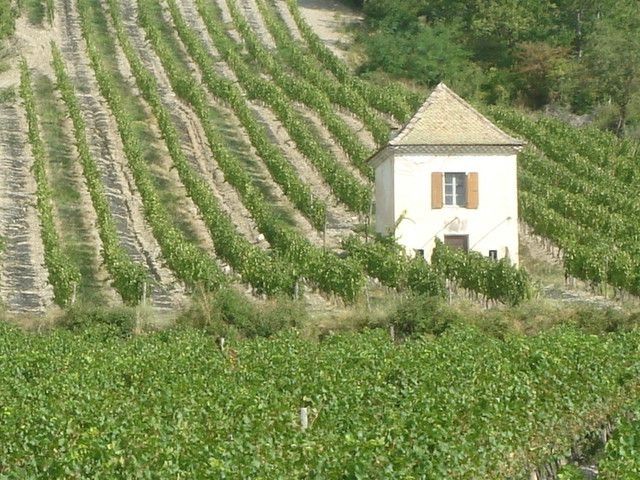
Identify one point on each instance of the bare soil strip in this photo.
(252, 14)
(126, 206)
(23, 277)
(329, 19)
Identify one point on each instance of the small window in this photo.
(455, 189)
(493, 254)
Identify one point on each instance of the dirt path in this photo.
(328, 18)
(23, 277)
(33, 43)
(251, 12)
(106, 147)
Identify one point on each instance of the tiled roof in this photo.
(446, 119)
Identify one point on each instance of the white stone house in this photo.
(451, 174)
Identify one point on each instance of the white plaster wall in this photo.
(384, 193)
(492, 226)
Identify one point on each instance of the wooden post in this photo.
(75, 292)
(304, 418)
(392, 333)
(144, 293)
(221, 343)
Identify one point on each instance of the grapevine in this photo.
(128, 277)
(63, 274)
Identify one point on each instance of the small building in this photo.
(451, 174)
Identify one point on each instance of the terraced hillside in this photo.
(155, 147)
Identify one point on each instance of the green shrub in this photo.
(599, 320)
(228, 313)
(119, 320)
(421, 314)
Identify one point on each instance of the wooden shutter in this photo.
(436, 189)
(472, 190)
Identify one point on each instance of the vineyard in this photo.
(171, 404)
(158, 151)
(171, 147)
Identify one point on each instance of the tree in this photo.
(612, 56)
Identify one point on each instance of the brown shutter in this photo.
(472, 190)
(436, 189)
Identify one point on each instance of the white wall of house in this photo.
(492, 226)
(384, 191)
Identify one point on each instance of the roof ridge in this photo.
(432, 128)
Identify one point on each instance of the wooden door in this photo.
(457, 241)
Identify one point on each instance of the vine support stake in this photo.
(74, 294)
(221, 343)
(392, 333)
(304, 418)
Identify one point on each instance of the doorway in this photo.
(457, 241)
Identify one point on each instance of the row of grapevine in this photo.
(496, 280)
(582, 207)
(387, 261)
(128, 277)
(255, 266)
(324, 269)
(587, 255)
(461, 406)
(300, 90)
(351, 192)
(8, 14)
(621, 457)
(279, 167)
(604, 149)
(558, 146)
(63, 275)
(391, 99)
(560, 176)
(191, 264)
(307, 67)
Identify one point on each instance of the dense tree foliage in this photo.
(580, 54)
